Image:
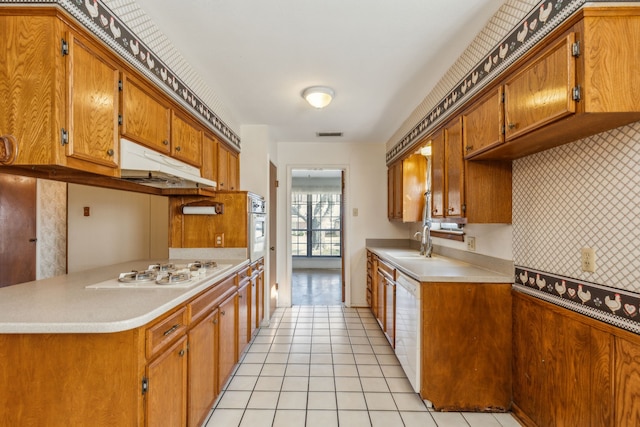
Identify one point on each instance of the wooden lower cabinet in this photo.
(166, 396)
(390, 315)
(571, 370)
(466, 346)
(203, 368)
(166, 373)
(244, 315)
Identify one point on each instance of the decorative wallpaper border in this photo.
(543, 18)
(610, 305)
(103, 23)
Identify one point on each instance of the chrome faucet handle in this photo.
(418, 235)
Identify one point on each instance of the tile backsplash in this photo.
(583, 194)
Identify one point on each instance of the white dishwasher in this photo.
(408, 327)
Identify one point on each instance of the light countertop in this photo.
(438, 268)
(63, 304)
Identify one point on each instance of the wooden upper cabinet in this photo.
(406, 182)
(186, 139)
(228, 169)
(60, 104)
(542, 91)
(93, 104)
(454, 167)
(209, 169)
(483, 123)
(437, 175)
(145, 115)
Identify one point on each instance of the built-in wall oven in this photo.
(257, 227)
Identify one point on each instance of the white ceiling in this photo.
(382, 57)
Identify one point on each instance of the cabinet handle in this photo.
(512, 125)
(181, 353)
(165, 142)
(10, 151)
(469, 147)
(215, 321)
(171, 330)
(110, 152)
(240, 296)
(178, 148)
(223, 313)
(451, 209)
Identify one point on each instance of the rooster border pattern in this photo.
(611, 305)
(101, 21)
(543, 18)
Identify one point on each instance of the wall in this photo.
(586, 193)
(365, 189)
(51, 225)
(122, 226)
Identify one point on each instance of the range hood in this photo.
(144, 166)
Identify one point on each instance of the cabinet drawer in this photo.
(244, 275)
(165, 331)
(387, 269)
(211, 298)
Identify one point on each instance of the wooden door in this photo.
(203, 362)
(414, 178)
(541, 92)
(17, 229)
(93, 104)
(437, 175)
(381, 282)
(454, 167)
(166, 397)
(146, 117)
(227, 341)
(186, 140)
(273, 229)
(390, 193)
(482, 126)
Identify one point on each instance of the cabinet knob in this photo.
(240, 296)
(178, 148)
(469, 147)
(223, 312)
(165, 142)
(181, 353)
(8, 149)
(512, 125)
(451, 209)
(215, 321)
(110, 152)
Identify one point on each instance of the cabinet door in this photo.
(390, 193)
(223, 168)
(93, 104)
(167, 393)
(454, 166)
(234, 171)
(397, 190)
(381, 300)
(209, 168)
(437, 175)
(244, 315)
(414, 178)
(482, 126)
(203, 361)
(541, 92)
(186, 140)
(390, 315)
(145, 116)
(255, 302)
(227, 341)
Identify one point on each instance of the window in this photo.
(315, 224)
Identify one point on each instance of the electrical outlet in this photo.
(588, 259)
(471, 244)
(219, 240)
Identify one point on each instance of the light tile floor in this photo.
(328, 366)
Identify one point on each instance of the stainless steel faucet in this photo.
(426, 246)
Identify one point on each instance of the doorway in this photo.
(317, 233)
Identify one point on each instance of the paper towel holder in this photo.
(203, 208)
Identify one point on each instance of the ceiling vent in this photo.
(329, 134)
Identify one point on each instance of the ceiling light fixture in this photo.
(318, 96)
